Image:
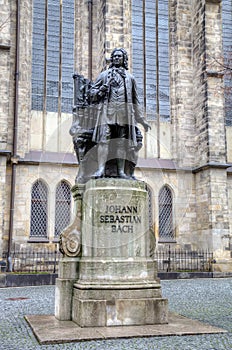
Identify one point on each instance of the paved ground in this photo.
(207, 300)
(49, 330)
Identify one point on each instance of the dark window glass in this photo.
(166, 231)
(39, 207)
(150, 49)
(53, 55)
(38, 54)
(63, 207)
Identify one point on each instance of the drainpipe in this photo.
(157, 80)
(90, 60)
(14, 158)
(144, 75)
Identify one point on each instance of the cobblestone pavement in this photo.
(207, 300)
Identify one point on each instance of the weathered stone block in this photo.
(63, 299)
(89, 313)
(140, 311)
(69, 268)
(114, 292)
(119, 312)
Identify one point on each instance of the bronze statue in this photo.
(118, 113)
(111, 139)
(84, 120)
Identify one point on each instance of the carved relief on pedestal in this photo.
(70, 241)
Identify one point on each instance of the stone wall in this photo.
(229, 143)
(81, 37)
(195, 138)
(51, 136)
(215, 103)
(51, 174)
(83, 23)
(230, 202)
(118, 25)
(211, 178)
(212, 208)
(25, 52)
(200, 86)
(182, 188)
(99, 37)
(208, 101)
(6, 41)
(3, 198)
(6, 213)
(182, 93)
(6, 107)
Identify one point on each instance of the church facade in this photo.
(179, 53)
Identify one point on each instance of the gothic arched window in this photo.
(39, 209)
(150, 51)
(53, 55)
(63, 207)
(166, 229)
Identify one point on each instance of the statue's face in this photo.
(117, 59)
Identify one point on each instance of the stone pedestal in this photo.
(117, 282)
(70, 246)
(68, 274)
(103, 306)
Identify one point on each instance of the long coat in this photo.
(101, 101)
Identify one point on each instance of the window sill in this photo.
(38, 240)
(173, 241)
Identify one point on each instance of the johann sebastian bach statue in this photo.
(112, 139)
(111, 238)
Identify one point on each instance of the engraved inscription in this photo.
(121, 223)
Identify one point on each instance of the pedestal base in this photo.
(118, 305)
(48, 330)
(114, 281)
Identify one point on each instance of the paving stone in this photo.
(48, 330)
(205, 300)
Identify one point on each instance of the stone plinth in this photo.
(117, 282)
(68, 274)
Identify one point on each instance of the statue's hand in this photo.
(74, 128)
(103, 90)
(146, 125)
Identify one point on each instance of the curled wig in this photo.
(125, 57)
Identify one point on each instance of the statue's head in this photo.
(125, 57)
